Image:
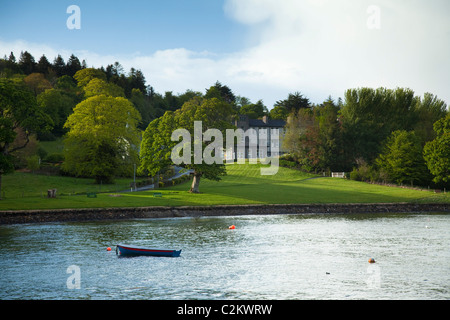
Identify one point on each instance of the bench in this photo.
(338, 174)
(157, 195)
(91, 195)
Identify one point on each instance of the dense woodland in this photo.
(386, 135)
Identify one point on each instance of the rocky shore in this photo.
(67, 215)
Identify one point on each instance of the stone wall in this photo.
(66, 215)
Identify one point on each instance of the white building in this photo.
(263, 138)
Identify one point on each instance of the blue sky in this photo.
(261, 49)
(121, 27)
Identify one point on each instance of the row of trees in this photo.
(59, 75)
(377, 134)
(106, 116)
(100, 112)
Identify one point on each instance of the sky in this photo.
(261, 49)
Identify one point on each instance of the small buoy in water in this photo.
(232, 227)
(371, 260)
(108, 249)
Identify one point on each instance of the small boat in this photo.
(128, 250)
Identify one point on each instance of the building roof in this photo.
(269, 124)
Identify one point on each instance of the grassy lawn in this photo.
(25, 185)
(243, 185)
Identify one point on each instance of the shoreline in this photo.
(100, 214)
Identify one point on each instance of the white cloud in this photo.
(317, 47)
(324, 47)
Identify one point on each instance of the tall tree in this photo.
(214, 114)
(402, 158)
(43, 66)
(330, 136)
(143, 104)
(221, 91)
(437, 152)
(84, 76)
(59, 66)
(137, 80)
(278, 113)
(37, 83)
(18, 110)
(97, 87)
(365, 123)
(254, 110)
(294, 102)
(58, 105)
(428, 110)
(73, 66)
(157, 146)
(27, 63)
(102, 139)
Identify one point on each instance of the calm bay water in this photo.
(265, 257)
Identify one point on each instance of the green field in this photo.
(243, 185)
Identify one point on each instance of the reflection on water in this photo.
(265, 257)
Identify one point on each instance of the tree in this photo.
(8, 66)
(254, 110)
(365, 122)
(214, 114)
(27, 63)
(437, 152)
(58, 105)
(37, 83)
(137, 80)
(59, 66)
(428, 110)
(43, 66)
(220, 91)
(303, 139)
(314, 137)
(330, 136)
(18, 110)
(102, 139)
(12, 58)
(66, 84)
(157, 146)
(84, 76)
(402, 158)
(73, 66)
(278, 113)
(294, 102)
(98, 86)
(143, 104)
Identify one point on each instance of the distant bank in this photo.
(68, 215)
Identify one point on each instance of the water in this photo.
(266, 257)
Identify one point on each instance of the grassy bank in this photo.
(243, 185)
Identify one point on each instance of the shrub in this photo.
(33, 163)
(55, 158)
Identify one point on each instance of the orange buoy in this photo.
(108, 249)
(371, 260)
(232, 227)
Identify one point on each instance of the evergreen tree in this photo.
(73, 65)
(43, 66)
(59, 66)
(27, 63)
